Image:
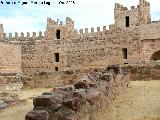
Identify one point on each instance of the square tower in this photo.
(125, 18)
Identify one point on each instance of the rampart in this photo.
(21, 36)
(133, 37)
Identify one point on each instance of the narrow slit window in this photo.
(56, 57)
(56, 68)
(127, 21)
(124, 50)
(58, 34)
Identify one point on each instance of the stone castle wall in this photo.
(150, 31)
(27, 49)
(102, 48)
(137, 16)
(84, 49)
(10, 60)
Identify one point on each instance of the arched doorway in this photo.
(156, 56)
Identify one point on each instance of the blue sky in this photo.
(85, 13)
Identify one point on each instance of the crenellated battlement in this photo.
(120, 7)
(142, 3)
(133, 17)
(69, 21)
(92, 30)
(58, 30)
(53, 23)
(19, 36)
(131, 38)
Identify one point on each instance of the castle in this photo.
(132, 38)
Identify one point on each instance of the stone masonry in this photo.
(82, 100)
(133, 37)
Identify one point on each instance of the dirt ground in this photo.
(141, 101)
(18, 112)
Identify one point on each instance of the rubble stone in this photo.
(80, 103)
(37, 115)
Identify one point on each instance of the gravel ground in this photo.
(141, 101)
(18, 112)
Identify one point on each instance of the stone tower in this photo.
(54, 43)
(144, 12)
(136, 16)
(56, 30)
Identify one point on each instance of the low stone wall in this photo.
(12, 81)
(8, 99)
(54, 79)
(81, 100)
(149, 72)
(11, 86)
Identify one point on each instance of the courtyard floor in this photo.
(141, 101)
(18, 112)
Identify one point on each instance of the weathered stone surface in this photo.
(8, 99)
(80, 103)
(76, 100)
(105, 76)
(3, 105)
(143, 72)
(64, 113)
(66, 88)
(93, 85)
(37, 115)
(48, 101)
(63, 51)
(81, 84)
(115, 68)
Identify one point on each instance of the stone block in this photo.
(48, 101)
(37, 115)
(81, 84)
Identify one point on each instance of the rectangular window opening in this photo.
(124, 50)
(127, 21)
(56, 57)
(56, 68)
(58, 34)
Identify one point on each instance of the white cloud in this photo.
(86, 13)
(19, 24)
